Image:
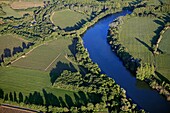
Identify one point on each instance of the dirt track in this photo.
(14, 109)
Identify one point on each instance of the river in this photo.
(95, 40)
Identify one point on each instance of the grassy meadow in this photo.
(66, 19)
(10, 41)
(30, 81)
(10, 12)
(136, 35)
(47, 56)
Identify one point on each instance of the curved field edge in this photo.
(68, 19)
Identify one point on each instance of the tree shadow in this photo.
(11, 97)
(77, 26)
(15, 97)
(69, 101)
(159, 22)
(94, 98)
(162, 77)
(34, 98)
(48, 99)
(60, 67)
(21, 97)
(72, 47)
(63, 104)
(83, 97)
(83, 71)
(146, 45)
(1, 58)
(29, 44)
(1, 93)
(17, 50)
(157, 31)
(51, 99)
(77, 99)
(7, 52)
(6, 97)
(164, 19)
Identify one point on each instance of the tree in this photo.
(83, 108)
(20, 97)
(1, 93)
(11, 97)
(90, 106)
(145, 71)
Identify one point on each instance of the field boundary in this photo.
(160, 38)
(51, 17)
(26, 110)
(53, 61)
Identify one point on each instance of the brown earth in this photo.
(25, 5)
(13, 109)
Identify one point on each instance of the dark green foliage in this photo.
(1, 93)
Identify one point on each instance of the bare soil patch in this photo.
(25, 5)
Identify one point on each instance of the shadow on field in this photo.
(157, 31)
(165, 18)
(72, 47)
(146, 45)
(9, 53)
(77, 26)
(60, 67)
(162, 78)
(48, 98)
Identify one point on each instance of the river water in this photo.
(95, 40)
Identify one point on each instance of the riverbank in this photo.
(99, 51)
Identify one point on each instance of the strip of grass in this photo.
(67, 18)
(163, 60)
(46, 56)
(136, 35)
(10, 41)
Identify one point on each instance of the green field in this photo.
(30, 81)
(163, 60)
(136, 35)
(67, 18)
(10, 12)
(9, 42)
(45, 57)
